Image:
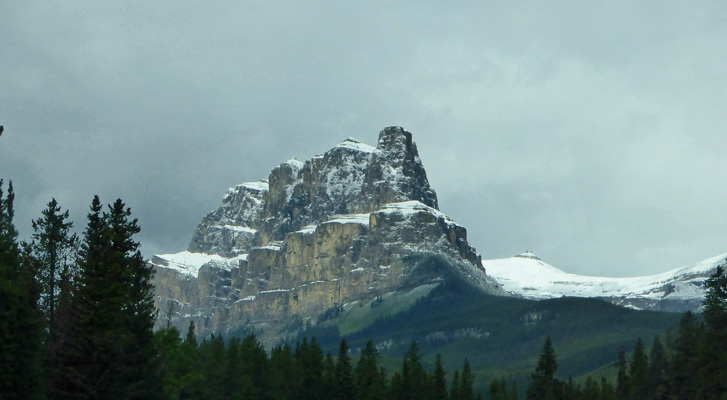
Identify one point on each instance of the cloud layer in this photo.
(591, 134)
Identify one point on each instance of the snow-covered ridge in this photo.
(261, 185)
(362, 219)
(409, 208)
(530, 277)
(189, 263)
(351, 143)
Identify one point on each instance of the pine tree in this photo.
(684, 359)
(498, 390)
(255, 369)
(368, 379)
(712, 357)
(54, 249)
(309, 358)
(343, 388)
(212, 365)
(108, 350)
(466, 382)
(639, 382)
(21, 326)
(413, 377)
(284, 377)
(622, 378)
(438, 381)
(658, 370)
(544, 385)
(454, 391)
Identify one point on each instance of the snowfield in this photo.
(530, 277)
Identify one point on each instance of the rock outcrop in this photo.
(354, 225)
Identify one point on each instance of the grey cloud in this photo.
(588, 133)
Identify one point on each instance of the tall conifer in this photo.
(21, 326)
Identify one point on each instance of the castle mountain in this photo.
(355, 230)
(353, 236)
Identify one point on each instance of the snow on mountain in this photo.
(189, 263)
(676, 290)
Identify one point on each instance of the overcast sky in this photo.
(592, 133)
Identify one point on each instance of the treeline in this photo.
(76, 314)
(692, 365)
(77, 317)
(242, 369)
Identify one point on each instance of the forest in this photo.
(78, 323)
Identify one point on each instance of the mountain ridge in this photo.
(355, 225)
(677, 290)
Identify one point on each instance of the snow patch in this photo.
(189, 263)
(351, 143)
(362, 219)
(532, 278)
(238, 228)
(260, 185)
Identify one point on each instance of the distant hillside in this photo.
(678, 290)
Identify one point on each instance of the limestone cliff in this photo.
(354, 225)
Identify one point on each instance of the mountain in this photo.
(354, 229)
(678, 290)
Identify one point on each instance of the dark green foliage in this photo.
(413, 384)
(466, 381)
(639, 380)
(438, 381)
(498, 390)
(284, 374)
(622, 379)
(21, 323)
(368, 378)
(544, 384)
(53, 250)
(309, 358)
(107, 346)
(343, 387)
(658, 370)
(712, 352)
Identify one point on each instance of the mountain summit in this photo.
(356, 227)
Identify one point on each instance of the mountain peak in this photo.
(348, 226)
(528, 254)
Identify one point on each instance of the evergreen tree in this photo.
(658, 370)
(284, 375)
(498, 390)
(544, 385)
(608, 392)
(21, 323)
(369, 380)
(454, 391)
(622, 378)
(108, 351)
(212, 365)
(255, 369)
(712, 376)
(514, 395)
(343, 387)
(466, 382)
(684, 362)
(591, 390)
(190, 376)
(414, 379)
(639, 380)
(54, 249)
(309, 358)
(438, 381)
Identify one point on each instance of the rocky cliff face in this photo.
(355, 225)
